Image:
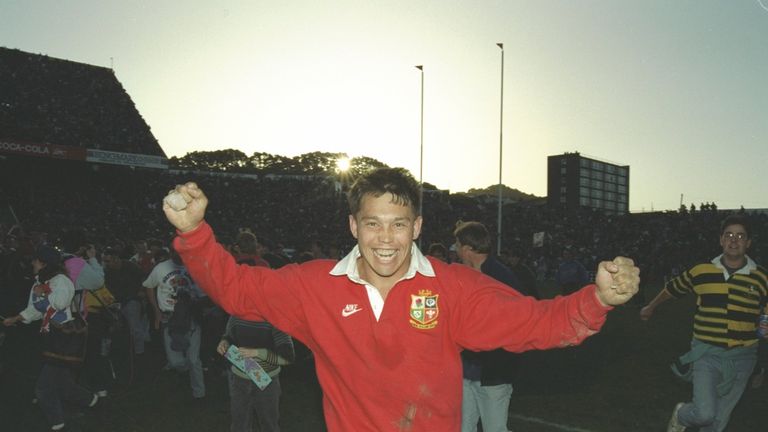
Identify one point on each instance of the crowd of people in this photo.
(118, 205)
(51, 101)
(117, 214)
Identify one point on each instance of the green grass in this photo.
(619, 379)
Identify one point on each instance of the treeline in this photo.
(235, 161)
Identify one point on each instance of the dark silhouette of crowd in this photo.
(52, 101)
(119, 205)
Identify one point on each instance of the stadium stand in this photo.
(45, 100)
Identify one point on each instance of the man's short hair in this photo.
(474, 235)
(399, 182)
(736, 219)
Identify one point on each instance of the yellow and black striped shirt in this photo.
(728, 306)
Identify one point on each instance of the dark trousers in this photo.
(56, 385)
(246, 399)
(97, 370)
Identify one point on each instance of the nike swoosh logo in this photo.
(347, 312)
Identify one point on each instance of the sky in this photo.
(677, 90)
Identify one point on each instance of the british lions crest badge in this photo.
(424, 310)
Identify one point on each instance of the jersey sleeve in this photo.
(491, 316)
(248, 292)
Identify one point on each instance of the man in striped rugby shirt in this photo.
(732, 291)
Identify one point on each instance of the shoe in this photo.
(94, 401)
(57, 427)
(674, 424)
(102, 393)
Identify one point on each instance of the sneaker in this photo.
(102, 393)
(674, 424)
(94, 401)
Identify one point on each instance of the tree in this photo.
(228, 160)
(506, 193)
(271, 164)
(363, 164)
(313, 163)
(319, 162)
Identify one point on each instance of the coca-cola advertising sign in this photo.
(41, 150)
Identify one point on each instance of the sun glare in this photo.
(342, 164)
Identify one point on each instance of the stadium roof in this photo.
(45, 100)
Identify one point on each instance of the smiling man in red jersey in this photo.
(386, 324)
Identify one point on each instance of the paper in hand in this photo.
(249, 366)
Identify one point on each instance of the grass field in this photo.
(618, 380)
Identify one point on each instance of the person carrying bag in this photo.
(64, 337)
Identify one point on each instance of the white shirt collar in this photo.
(751, 265)
(348, 265)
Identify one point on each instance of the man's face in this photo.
(385, 232)
(734, 241)
(37, 265)
(111, 261)
(461, 252)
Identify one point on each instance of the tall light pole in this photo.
(501, 134)
(421, 140)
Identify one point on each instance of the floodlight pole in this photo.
(501, 134)
(421, 147)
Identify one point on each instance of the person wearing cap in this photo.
(50, 301)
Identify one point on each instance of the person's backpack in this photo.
(74, 265)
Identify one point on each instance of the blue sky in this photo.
(676, 90)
